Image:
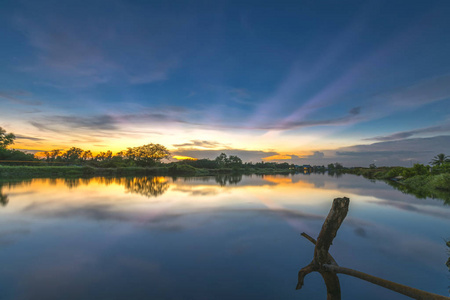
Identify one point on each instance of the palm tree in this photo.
(440, 159)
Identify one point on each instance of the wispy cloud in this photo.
(200, 144)
(23, 137)
(419, 93)
(63, 123)
(398, 152)
(350, 118)
(377, 154)
(19, 96)
(245, 155)
(82, 52)
(112, 121)
(444, 128)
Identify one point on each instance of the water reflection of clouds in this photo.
(445, 214)
(114, 230)
(220, 189)
(171, 219)
(201, 191)
(10, 236)
(402, 246)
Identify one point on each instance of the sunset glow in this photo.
(274, 82)
(178, 157)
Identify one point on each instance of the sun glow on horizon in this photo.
(277, 157)
(180, 157)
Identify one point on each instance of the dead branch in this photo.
(330, 226)
(326, 265)
(335, 217)
(393, 286)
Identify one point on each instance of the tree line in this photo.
(151, 155)
(143, 156)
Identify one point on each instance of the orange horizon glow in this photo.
(181, 157)
(276, 157)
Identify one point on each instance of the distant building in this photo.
(304, 168)
(307, 168)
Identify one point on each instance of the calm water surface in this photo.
(212, 238)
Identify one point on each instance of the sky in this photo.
(307, 82)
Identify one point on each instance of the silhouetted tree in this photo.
(234, 161)
(54, 154)
(87, 154)
(6, 139)
(147, 155)
(73, 154)
(440, 159)
(338, 166)
(221, 160)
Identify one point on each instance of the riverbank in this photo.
(420, 182)
(11, 172)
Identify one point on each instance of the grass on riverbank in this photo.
(88, 171)
(419, 180)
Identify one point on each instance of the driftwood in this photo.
(326, 265)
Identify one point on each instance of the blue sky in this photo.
(302, 79)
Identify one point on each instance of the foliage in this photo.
(440, 159)
(335, 167)
(221, 160)
(147, 155)
(182, 169)
(6, 139)
(16, 155)
(75, 171)
(441, 169)
(73, 154)
(202, 163)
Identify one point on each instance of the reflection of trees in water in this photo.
(3, 197)
(421, 192)
(224, 180)
(193, 178)
(72, 182)
(147, 186)
(336, 174)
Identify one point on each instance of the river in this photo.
(228, 237)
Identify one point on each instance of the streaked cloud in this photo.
(444, 128)
(80, 52)
(19, 97)
(399, 152)
(200, 144)
(23, 137)
(245, 155)
(421, 93)
(60, 123)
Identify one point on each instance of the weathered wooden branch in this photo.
(312, 240)
(393, 286)
(326, 265)
(335, 217)
(330, 226)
